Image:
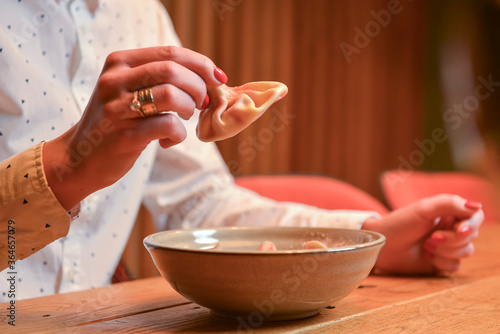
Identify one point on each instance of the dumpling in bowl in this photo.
(267, 246)
(232, 109)
(314, 244)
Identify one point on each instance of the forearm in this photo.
(239, 206)
(216, 201)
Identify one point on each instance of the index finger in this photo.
(444, 204)
(196, 62)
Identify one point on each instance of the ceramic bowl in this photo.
(221, 268)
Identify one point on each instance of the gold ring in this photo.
(135, 105)
(143, 102)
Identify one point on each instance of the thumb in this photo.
(169, 142)
(167, 128)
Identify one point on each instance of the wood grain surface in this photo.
(464, 302)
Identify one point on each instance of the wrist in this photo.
(63, 177)
(371, 224)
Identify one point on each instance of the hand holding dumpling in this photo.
(130, 107)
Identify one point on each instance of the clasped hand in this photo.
(429, 236)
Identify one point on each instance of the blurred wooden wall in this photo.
(348, 119)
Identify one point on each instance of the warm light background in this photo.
(351, 120)
(347, 116)
(347, 119)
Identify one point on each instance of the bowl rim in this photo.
(380, 240)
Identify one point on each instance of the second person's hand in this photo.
(429, 236)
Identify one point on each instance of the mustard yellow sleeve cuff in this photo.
(31, 217)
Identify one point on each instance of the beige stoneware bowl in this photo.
(221, 268)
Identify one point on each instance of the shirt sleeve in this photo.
(213, 200)
(31, 217)
(190, 187)
(237, 206)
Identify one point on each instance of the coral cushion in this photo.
(401, 188)
(316, 190)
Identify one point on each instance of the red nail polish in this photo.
(473, 205)
(206, 101)
(464, 230)
(220, 75)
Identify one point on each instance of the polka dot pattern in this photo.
(46, 87)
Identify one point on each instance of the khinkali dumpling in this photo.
(232, 109)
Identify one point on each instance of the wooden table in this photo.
(465, 302)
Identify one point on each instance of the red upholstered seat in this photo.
(316, 190)
(404, 187)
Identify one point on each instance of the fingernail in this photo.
(220, 75)
(464, 230)
(205, 102)
(473, 205)
(438, 238)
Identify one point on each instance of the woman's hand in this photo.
(428, 236)
(110, 136)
